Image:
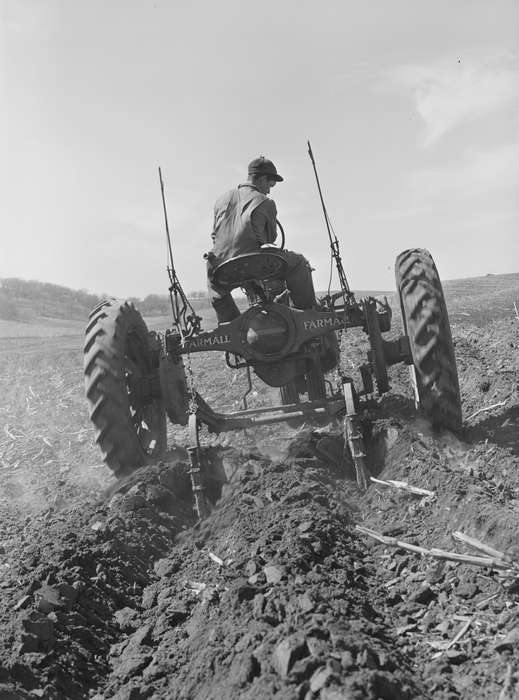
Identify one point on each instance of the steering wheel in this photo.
(278, 224)
(273, 245)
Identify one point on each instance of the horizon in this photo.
(239, 294)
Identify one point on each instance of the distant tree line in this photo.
(24, 300)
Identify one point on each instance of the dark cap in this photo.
(264, 166)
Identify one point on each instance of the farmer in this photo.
(244, 221)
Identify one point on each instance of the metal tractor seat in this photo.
(250, 267)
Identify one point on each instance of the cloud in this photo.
(454, 91)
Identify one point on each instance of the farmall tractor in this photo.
(135, 378)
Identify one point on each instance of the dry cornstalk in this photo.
(481, 546)
(460, 634)
(447, 645)
(215, 558)
(461, 618)
(438, 553)
(388, 584)
(468, 558)
(482, 603)
(507, 692)
(486, 408)
(392, 541)
(404, 486)
(9, 433)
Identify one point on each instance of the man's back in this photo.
(244, 220)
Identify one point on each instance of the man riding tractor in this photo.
(245, 222)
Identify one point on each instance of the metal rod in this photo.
(285, 407)
(285, 416)
(246, 419)
(175, 307)
(334, 242)
(310, 153)
(179, 302)
(170, 250)
(249, 389)
(221, 423)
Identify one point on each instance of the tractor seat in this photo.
(242, 269)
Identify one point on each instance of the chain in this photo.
(340, 370)
(196, 452)
(190, 380)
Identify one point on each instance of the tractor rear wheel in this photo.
(426, 323)
(174, 391)
(315, 380)
(121, 388)
(289, 393)
(316, 387)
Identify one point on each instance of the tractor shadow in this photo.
(502, 430)
(329, 447)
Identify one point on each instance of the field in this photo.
(109, 591)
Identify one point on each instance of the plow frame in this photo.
(298, 329)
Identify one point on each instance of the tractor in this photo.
(134, 377)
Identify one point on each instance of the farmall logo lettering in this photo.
(210, 341)
(328, 322)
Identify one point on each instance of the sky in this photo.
(411, 106)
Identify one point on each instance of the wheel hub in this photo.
(266, 332)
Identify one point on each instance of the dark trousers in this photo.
(298, 279)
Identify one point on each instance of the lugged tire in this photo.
(173, 385)
(129, 432)
(315, 381)
(316, 388)
(426, 323)
(289, 393)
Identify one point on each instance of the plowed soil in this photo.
(110, 590)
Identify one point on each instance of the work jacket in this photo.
(244, 220)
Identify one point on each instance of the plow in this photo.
(138, 379)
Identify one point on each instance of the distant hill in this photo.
(480, 299)
(30, 301)
(26, 300)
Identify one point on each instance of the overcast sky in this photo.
(411, 107)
